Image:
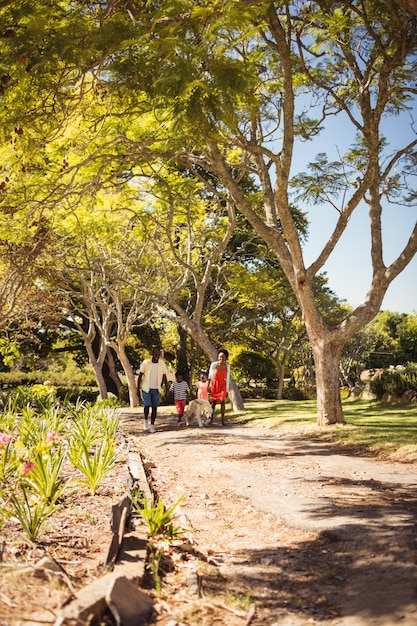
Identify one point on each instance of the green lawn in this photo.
(374, 426)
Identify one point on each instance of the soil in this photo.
(36, 579)
(282, 528)
(287, 528)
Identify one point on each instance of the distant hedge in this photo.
(58, 379)
(78, 386)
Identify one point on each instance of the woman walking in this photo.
(219, 380)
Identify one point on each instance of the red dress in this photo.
(218, 385)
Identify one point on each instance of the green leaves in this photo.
(94, 463)
(92, 448)
(158, 519)
(326, 179)
(46, 478)
(31, 511)
(34, 467)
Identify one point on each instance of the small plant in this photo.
(241, 600)
(136, 497)
(92, 444)
(109, 423)
(8, 463)
(45, 477)
(30, 510)
(158, 519)
(161, 530)
(85, 427)
(16, 399)
(94, 464)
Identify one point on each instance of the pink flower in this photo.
(51, 435)
(28, 467)
(5, 438)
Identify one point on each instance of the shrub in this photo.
(58, 379)
(294, 393)
(124, 394)
(395, 381)
(109, 402)
(76, 392)
(251, 366)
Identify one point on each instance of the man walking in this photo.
(152, 375)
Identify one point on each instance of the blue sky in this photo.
(349, 267)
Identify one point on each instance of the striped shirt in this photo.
(180, 389)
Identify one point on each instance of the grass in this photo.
(376, 427)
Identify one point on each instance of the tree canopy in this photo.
(97, 96)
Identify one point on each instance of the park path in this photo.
(313, 535)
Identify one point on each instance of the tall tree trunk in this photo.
(182, 364)
(119, 348)
(329, 403)
(97, 366)
(108, 369)
(110, 375)
(129, 373)
(235, 397)
(281, 374)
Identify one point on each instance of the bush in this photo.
(41, 396)
(250, 366)
(110, 402)
(76, 392)
(294, 393)
(395, 382)
(124, 394)
(59, 379)
(270, 393)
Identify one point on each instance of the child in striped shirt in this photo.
(180, 388)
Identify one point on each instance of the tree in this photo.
(186, 235)
(240, 73)
(397, 339)
(407, 340)
(96, 275)
(234, 89)
(355, 356)
(385, 327)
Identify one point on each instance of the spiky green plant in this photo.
(85, 428)
(31, 510)
(45, 478)
(94, 463)
(158, 519)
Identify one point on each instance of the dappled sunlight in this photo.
(371, 427)
(294, 523)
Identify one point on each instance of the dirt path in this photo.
(286, 530)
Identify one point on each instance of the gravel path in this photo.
(311, 535)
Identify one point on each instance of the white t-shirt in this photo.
(153, 377)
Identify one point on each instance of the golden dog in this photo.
(201, 410)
